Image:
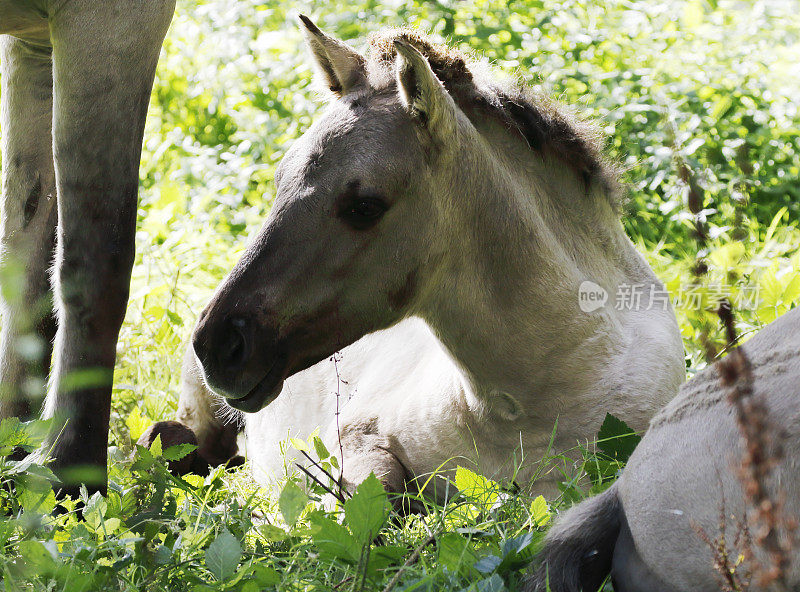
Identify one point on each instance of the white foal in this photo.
(440, 229)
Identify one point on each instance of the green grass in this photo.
(155, 531)
(710, 82)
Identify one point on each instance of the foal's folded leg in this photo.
(27, 228)
(202, 419)
(104, 59)
(215, 425)
(365, 452)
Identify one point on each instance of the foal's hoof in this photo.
(235, 461)
(172, 433)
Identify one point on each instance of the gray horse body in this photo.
(680, 479)
(76, 81)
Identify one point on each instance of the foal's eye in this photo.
(363, 212)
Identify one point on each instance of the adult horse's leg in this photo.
(104, 59)
(27, 227)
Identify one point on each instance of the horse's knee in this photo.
(368, 452)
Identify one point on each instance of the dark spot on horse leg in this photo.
(32, 203)
(399, 298)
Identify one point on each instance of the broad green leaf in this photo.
(482, 491)
(300, 445)
(95, 510)
(367, 510)
(333, 540)
(540, 513)
(178, 451)
(163, 555)
(791, 293)
(382, 556)
(144, 459)
(35, 493)
(36, 431)
(264, 575)
(517, 553)
(291, 502)
(272, 532)
(136, 423)
(319, 448)
(616, 439)
(120, 505)
(223, 555)
(195, 481)
(491, 584)
(488, 564)
(39, 560)
(455, 552)
(12, 434)
(155, 446)
(110, 525)
(174, 318)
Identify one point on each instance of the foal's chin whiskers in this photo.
(227, 414)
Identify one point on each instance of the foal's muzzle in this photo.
(240, 361)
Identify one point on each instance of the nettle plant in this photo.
(155, 531)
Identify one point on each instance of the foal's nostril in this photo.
(233, 349)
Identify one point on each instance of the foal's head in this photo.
(363, 221)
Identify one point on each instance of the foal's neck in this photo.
(508, 307)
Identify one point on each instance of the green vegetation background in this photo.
(714, 84)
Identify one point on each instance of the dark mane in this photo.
(546, 126)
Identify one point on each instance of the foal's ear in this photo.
(341, 67)
(422, 92)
